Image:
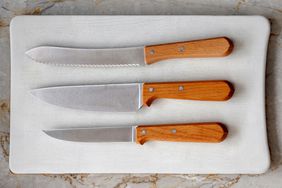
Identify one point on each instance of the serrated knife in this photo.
(197, 132)
(131, 97)
(132, 56)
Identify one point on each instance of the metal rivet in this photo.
(181, 88)
(151, 89)
(143, 132)
(173, 131)
(181, 49)
(152, 52)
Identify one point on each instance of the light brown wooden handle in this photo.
(198, 132)
(215, 47)
(198, 90)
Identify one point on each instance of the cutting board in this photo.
(245, 149)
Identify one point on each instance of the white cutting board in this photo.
(245, 150)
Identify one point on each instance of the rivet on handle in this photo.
(173, 131)
(152, 52)
(143, 132)
(181, 49)
(151, 89)
(181, 88)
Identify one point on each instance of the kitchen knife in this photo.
(131, 97)
(197, 132)
(133, 56)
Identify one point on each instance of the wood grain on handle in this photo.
(215, 47)
(197, 90)
(198, 132)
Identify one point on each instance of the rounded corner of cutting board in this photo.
(15, 22)
(263, 20)
(264, 23)
(264, 167)
(13, 168)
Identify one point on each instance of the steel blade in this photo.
(111, 97)
(109, 57)
(98, 134)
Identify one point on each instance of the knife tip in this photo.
(29, 53)
(49, 132)
(46, 132)
(35, 54)
(33, 92)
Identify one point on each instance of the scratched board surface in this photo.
(31, 151)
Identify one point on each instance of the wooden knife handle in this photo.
(215, 47)
(198, 132)
(197, 90)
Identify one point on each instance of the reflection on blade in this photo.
(109, 57)
(98, 134)
(111, 97)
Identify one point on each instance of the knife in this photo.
(131, 97)
(133, 56)
(197, 132)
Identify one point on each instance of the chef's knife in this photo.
(197, 132)
(131, 97)
(134, 56)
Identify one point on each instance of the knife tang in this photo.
(198, 90)
(197, 132)
(215, 47)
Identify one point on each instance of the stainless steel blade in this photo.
(97, 134)
(111, 97)
(109, 57)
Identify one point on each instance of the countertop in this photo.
(271, 9)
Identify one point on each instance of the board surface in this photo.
(245, 149)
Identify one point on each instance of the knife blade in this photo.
(195, 132)
(131, 97)
(134, 56)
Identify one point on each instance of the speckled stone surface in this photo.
(271, 9)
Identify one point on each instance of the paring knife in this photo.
(134, 56)
(197, 132)
(131, 97)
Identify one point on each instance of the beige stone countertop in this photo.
(272, 9)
